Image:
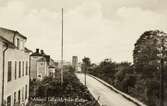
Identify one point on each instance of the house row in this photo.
(18, 65)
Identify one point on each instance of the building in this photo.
(75, 62)
(41, 65)
(52, 68)
(65, 63)
(79, 67)
(14, 68)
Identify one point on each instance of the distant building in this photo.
(75, 62)
(65, 63)
(14, 68)
(41, 65)
(79, 67)
(52, 68)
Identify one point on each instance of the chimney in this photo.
(37, 50)
(42, 51)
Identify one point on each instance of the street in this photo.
(107, 96)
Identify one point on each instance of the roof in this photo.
(28, 50)
(9, 30)
(21, 35)
(36, 54)
(47, 58)
(41, 60)
(39, 54)
(7, 42)
(52, 63)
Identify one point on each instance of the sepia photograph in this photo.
(83, 52)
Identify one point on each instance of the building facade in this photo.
(75, 62)
(52, 68)
(14, 66)
(41, 65)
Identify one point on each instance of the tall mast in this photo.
(62, 51)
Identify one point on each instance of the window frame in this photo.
(15, 70)
(9, 74)
(26, 91)
(18, 43)
(15, 98)
(19, 96)
(23, 68)
(9, 100)
(26, 67)
(19, 69)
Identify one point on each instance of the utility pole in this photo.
(62, 51)
(85, 73)
(85, 68)
(162, 74)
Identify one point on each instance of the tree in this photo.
(86, 65)
(124, 77)
(105, 70)
(86, 61)
(146, 56)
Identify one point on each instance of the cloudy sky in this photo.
(98, 29)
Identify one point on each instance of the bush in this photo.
(72, 88)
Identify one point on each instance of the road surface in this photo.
(107, 96)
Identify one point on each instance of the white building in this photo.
(14, 68)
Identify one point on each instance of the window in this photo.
(26, 67)
(9, 101)
(19, 69)
(18, 43)
(21, 45)
(26, 92)
(9, 71)
(23, 69)
(15, 69)
(14, 97)
(19, 96)
(23, 94)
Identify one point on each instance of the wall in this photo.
(1, 61)
(33, 67)
(22, 41)
(37, 67)
(18, 84)
(41, 69)
(51, 72)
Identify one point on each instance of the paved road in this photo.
(107, 96)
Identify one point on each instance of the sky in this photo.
(97, 29)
